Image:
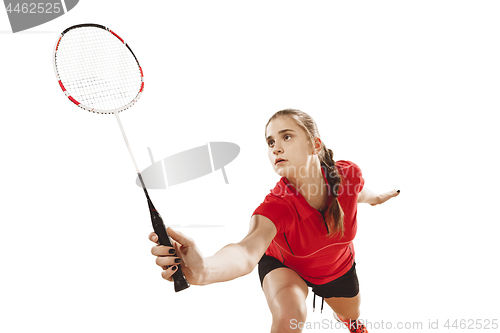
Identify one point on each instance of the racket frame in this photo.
(81, 105)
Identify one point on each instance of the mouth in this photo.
(279, 160)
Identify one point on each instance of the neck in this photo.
(311, 186)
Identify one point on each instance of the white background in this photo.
(408, 90)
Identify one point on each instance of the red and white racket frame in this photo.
(85, 107)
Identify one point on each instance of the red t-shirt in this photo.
(301, 242)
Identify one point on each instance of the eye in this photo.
(287, 135)
(270, 143)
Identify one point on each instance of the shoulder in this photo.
(277, 208)
(351, 175)
(277, 204)
(348, 169)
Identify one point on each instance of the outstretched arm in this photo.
(235, 260)
(367, 196)
(232, 261)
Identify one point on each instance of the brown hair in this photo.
(334, 215)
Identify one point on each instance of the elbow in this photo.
(250, 262)
(248, 270)
(250, 265)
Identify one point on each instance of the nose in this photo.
(277, 149)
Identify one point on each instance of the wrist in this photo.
(205, 273)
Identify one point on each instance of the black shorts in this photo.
(345, 286)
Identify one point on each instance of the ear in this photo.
(317, 145)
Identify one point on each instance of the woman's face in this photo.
(290, 149)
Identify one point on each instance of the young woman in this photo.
(300, 236)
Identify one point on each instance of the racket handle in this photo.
(180, 281)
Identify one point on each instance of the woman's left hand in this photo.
(386, 196)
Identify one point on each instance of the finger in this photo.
(167, 261)
(176, 245)
(388, 195)
(162, 250)
(179, 237)
(167, 274)
(152, 237)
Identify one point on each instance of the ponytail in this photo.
(334, 216)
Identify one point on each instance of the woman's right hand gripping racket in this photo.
(180, 281)
(194, 263)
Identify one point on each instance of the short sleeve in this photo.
(353, 177)
(278, 211)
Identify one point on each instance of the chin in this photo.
(282, 172)
(279, 171)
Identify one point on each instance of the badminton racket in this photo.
(99, 73)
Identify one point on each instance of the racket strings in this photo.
(97, 69)
(102, 87)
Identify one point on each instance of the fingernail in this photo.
(178, 260)
(174, 268)
(171, 251)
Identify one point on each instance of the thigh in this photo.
(346, 307)
(285, 290)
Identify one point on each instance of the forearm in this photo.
(369, 197)
(228, 263)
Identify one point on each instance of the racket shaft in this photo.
(180, 281)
